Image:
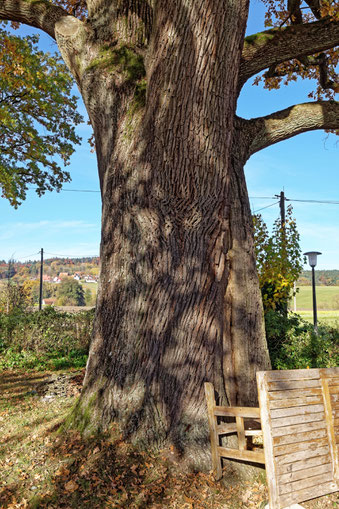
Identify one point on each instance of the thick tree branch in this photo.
(277, 45)
(39, 14)
(265, 131)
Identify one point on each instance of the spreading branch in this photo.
(42, 14)
(265, 131)
(320, 61)
(267, 49)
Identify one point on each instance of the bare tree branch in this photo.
(41, 14)
(266, 49)
(259, 133)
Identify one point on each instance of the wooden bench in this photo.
(299, 415)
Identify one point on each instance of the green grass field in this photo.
(91, 286)
(327, 303)
(327, 298)
(327, 317)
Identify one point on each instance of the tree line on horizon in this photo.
(52, 267)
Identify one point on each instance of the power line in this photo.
(27, 256)
(261, 197)
(79, 191)
(267, 206)
(72, 190)
(329, 202)
(71, 256)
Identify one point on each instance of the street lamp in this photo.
(312, 260)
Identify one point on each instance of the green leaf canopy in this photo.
(37, 118)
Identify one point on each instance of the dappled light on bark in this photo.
(179, 301)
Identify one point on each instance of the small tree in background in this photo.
(89, 298)
(279, 260)
(70, 293)
(12, 298)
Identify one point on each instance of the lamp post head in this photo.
(312, 257)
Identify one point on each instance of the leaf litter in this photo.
(41, 468)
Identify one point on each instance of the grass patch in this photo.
(327, 298)
(11, 359)
(93, 287)
(48, 339)
(326, 317)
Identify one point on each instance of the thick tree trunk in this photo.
(179, 302)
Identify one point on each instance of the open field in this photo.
(90, 286)
(327, 297)
(327, 317)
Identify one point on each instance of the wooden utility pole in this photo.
(41, 278)
(9, 283)
(283, 236)
(283, 218)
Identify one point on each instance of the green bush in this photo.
(293, 344)
(47, 339)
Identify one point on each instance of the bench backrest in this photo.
(300, 421)
(299, 414)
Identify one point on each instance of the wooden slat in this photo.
(321, 458)
(309, 482)
(308, 493)
(281, 403)
(253, 456)
(301, 410)
(225, 411)
(330, 430)
(242, 444)
(300, 437)
(268, 442)
(210, 401)
(298, 428)
(292, 394)
(303, 450)
(253, 432)
(284, 385)
(286, 422)
(304, 473)
(328, 372)
(223, 429)
(291, 374)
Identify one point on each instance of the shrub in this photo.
(30, 339)
(293, 344)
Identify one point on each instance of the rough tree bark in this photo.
(178, 302)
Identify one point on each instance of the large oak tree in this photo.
(179, 301)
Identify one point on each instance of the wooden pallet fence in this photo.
(237, 427)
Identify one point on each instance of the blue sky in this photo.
(305, 167)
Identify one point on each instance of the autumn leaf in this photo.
(71, 486)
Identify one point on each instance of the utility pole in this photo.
(282, 200)
(9, 283)
(282, 208)
(41, 278)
